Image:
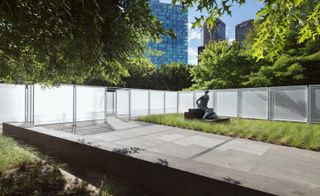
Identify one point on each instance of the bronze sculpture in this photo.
(202, 104)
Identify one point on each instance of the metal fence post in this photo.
(239, 103)
(213, 101)
(194, 99)
(26, 104)
(116, 103)
(130, 109)
(106, 104)
(270, 103)
(149, 103)
(177, 102)
(32, 105)
(164, 102)
(74, 114)
(309, 103)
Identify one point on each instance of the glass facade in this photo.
(217, 33)
(242, 29)
(172, 49)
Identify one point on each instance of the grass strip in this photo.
(300, 135)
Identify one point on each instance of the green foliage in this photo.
(294, 134)
(173, 76)
(11, 155)
(222, 65)
(143, 74)
(297, 64)
(68, 41)
(229, 65)
(140, 72)
(276, 20)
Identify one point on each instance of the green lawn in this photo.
(12, 155)
(301, 135)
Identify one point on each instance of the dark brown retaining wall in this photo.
(153, 178)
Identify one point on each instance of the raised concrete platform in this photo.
(169, 161)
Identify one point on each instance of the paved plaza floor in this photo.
(267, 167)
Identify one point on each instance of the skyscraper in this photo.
(242, 29)
(218, 32)
(173, 49)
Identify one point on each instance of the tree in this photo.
(173, 76)
(275, 20)
(298, 63)
(67, 41)
(140, 71)
(222, 65)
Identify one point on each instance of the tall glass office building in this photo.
(217, 33)
(173, 49)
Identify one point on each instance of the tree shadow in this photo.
(296, 106)
(163, 162)
(127, 151)
(231, 180)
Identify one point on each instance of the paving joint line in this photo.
(212, 148)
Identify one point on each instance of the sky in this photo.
(239, 14)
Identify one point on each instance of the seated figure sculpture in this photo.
(202, 104)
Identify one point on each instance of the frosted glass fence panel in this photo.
(90, 103)
(122, 102)
(315, 103)
(290, 103)
(139, 102)
(185, 101)
(12, 103)
(53, 105)
(227, 103)
(156, 102)
(171, 102)
(111, 102)
(254, 103)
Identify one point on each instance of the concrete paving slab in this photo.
(199, 141)
(171, 137)
(295, 166)
(125, 125)
(233, 159)
(177, 150)
(246, 146)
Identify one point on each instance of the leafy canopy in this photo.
(68, 41)
(275, 20)
(222, 65)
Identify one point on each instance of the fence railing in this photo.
(71, 103)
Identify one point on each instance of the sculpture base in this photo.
(194, 114)
(198, 114)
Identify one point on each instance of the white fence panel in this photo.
(139, 101)
(111, 102)
(290, 103)
(254, 103)
(315, 103)
(171, 102)
(227, 103)
(53, 105)
(156, 102)
(90, 103)
(12, 103)
(185, 101)
(122, 102)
